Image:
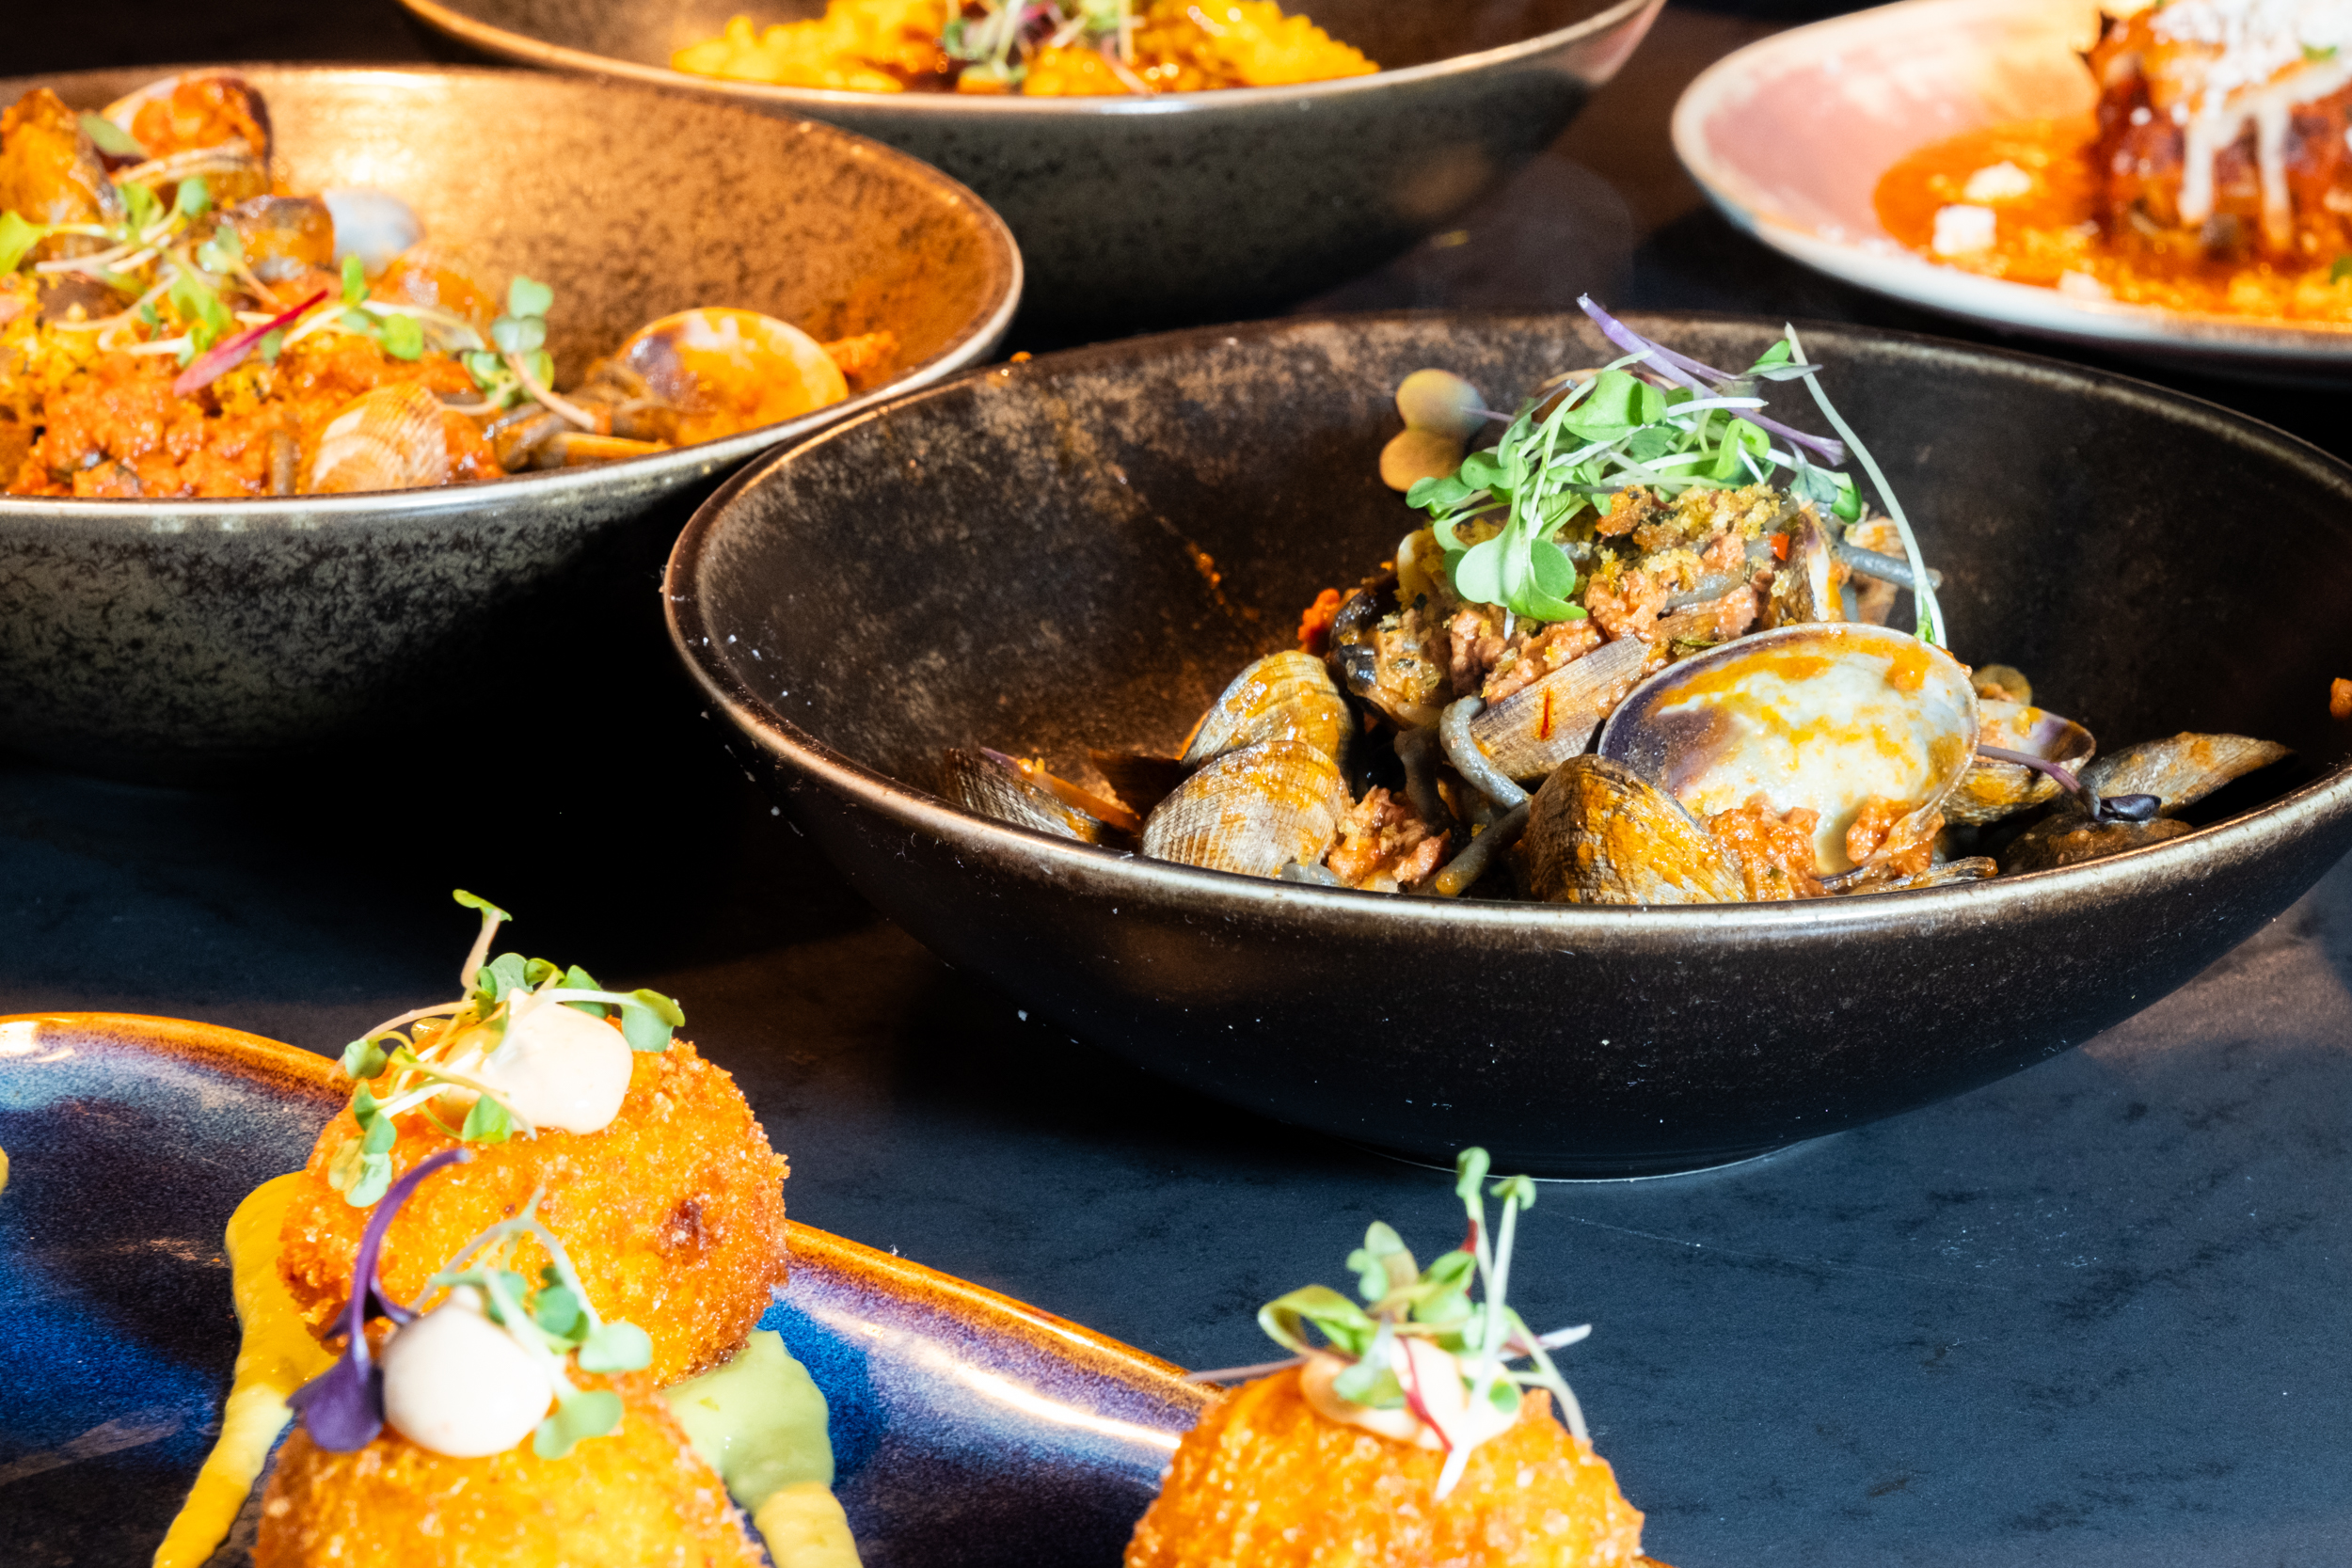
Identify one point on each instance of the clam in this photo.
(1381, 663)
(714, 371)
(2181, 770)
(376, 225)
(1599, 833)
(212, 124)
(1828, 718)
(280, 236)
(393, 438)
(1538, 727)
(2174, 773)
(1284, 696)
(1992, 789)
(51, 173)
(1808, 588)
(1253, 810)
(990, 783)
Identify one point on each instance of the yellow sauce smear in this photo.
(759, 1420)
(2050, 235)
(275, 1356)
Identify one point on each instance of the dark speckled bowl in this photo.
(163, 638)
(1187, 207)
(1023, 573)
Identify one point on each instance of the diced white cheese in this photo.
(1963, 230)
(2000, 181)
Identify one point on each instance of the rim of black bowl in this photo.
(511, 45)
(678, 465)
(2274, 823)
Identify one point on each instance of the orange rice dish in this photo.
(1078, 48)
(2214, 176)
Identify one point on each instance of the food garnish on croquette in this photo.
(654, 1168)
(1407, 1436)
(444, 1441)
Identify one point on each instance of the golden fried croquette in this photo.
(637, 1497)
(674, 1212)
(1265, 1482)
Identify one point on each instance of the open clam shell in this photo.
(1826, 717)
(1991, 789)
(1284, 696)
(988, 783)
(1537, 728)
(1599, 833)
(1253, 810)
(2181, 770)
(723, 371)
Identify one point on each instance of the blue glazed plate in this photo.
(967, 1428)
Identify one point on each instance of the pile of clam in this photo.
(1593, 786)
(694, 376)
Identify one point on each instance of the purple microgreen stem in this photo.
(2101, 808)
(342, 1408)
(1685, 372)
(1237, 1374)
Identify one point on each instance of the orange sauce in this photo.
(2051, 236)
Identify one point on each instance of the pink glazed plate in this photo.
(1790, 136)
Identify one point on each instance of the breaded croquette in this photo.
(675, 1209)
(638, 1496)
(1264, 1481)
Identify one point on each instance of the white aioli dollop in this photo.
(556, 1066)
(457, 1383)
(1440, 1386)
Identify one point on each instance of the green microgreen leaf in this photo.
(525, 297)
(402, 337)
(577, 978)
(139, 206)
(518, 334)
(1469, 1169)
(503, 974)
(558, 1309)
(487, 1122)
(110, 138)
(574, 1420)
(374, 1177)
(647, 1019)
(17, 239)
(364, 1058)
(1369, 1384)
(199, 305)
(355, 290)
(616, 1348)
(1346, 1325)
(474, 901)
(223, 251)
(1382, 1264)
(273, 343)
(194, 198)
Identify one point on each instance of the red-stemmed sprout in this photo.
(2102, 809)
(214, 363)
(342, 1408)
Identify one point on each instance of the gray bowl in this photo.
(1184, 207)
(1026, 572)
(201, 639)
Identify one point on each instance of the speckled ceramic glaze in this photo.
(1791, 135)
(1187, 206)
(197, 637)
(967, 1429)
(1082, 550)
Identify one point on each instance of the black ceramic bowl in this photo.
(1185, 207)
(1023, 559)
(195, 639)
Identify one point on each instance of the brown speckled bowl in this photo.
(1025, 572)
(197, 639)
(1185, 207)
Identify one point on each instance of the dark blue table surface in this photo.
(2094, 1315)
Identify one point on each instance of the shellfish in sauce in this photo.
(175, 320)
(1641, 655)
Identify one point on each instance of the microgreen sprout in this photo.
(1410, 1311)
(997, 44)
(557, 1321)
(342, 1408)
(1653, 418)
(396, 1072)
